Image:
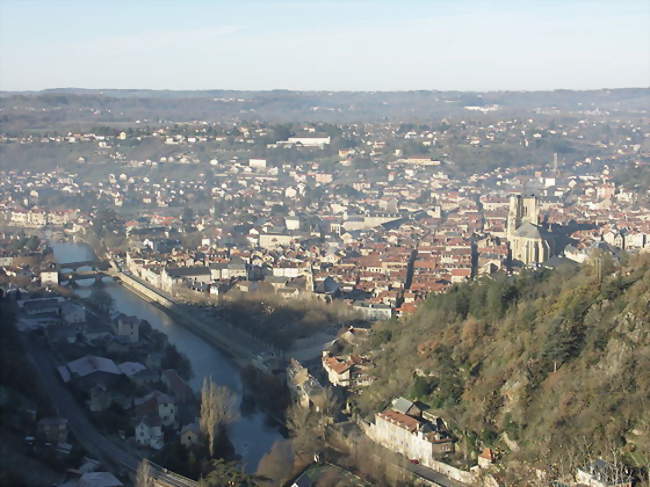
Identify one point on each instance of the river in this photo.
(253, 434)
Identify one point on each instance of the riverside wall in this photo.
(243, 349)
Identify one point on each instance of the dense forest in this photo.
(549, 367)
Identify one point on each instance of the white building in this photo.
(50, 278)
(148, 432)
(402, 429)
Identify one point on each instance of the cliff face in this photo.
(554, 365)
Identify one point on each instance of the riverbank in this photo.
(242, 356)
(254, 434)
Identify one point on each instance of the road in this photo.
(432, 476)
(96, 444)
(398, 461)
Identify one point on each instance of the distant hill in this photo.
(551, 367)
(46, 107)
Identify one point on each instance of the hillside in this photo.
(87, 108)
(550, 367)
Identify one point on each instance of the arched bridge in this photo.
(75, 266)
(72, 277)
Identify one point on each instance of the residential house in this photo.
(190, 435)
(90, 370)
(50, 277)
(158, 404)
(127, 326)
(148, 432)
(404, 429)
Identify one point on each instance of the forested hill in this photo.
(23, 110)
(554, 364)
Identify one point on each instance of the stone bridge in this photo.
(73, 277)
(93, 264)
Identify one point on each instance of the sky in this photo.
(325, 45)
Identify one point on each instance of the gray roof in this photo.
(402, 405)
(189, 271)
(528, 230)
(90, 363)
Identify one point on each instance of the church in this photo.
(530, 243)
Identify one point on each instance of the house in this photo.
(404, 429)
(158, 404)
(53, 429)
(486, 458)
(49, 277)
(127, 326)
(177, 387)
(338, 371)
(236, 268)
(39, 306)
(148, 432)
(600, 473)
(345, 372)
(90, 370)
(73, 313)
(171, 277)
(373, 312)
(190, 435)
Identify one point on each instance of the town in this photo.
(291, 247)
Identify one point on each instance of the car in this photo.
(414, 461)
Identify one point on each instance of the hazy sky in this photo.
(332, 45)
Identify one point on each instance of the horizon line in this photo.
(197, 90)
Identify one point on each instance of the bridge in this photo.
(70, 271)
(73, 277)
(74, 266)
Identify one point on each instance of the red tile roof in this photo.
(402, 420)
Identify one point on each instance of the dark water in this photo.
(251, 435)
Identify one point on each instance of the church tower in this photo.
(529, 210)
(514, 216)
(529, 244)
(521, 210)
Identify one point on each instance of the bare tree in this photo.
(144, 476)
(303, 424)
(218, 409)
(277, 465)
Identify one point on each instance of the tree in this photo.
(187, 216)
(105, 222)
(302, 423)
(102, 300)
(421, 387)
(226, 474)
(144, 476)
(218, 409)
(277, 464)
